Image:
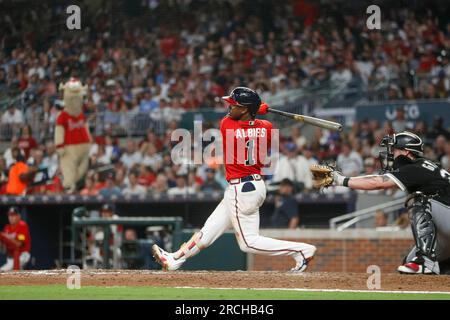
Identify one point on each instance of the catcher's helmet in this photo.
(405, 141)
(244, 97)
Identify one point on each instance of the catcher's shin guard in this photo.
(423, 227)
(191, 247)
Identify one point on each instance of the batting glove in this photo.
(338, 178)
(263, 108)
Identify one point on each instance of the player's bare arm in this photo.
(324, 176)
(373, 182)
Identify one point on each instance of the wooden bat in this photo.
(310, 120)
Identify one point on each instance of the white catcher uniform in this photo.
(244, 195)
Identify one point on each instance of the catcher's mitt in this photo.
(322, 175)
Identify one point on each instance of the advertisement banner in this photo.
(414, 111)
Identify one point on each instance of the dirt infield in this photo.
(237, 279)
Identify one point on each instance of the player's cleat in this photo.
(414, 268)
(301, 265)
(166, 259)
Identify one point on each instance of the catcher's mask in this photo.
(405, 141)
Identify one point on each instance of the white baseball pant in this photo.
(240, 209)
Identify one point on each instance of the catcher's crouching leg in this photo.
(424, 231)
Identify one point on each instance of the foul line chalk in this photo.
(323, 290)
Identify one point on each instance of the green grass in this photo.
(162, 293)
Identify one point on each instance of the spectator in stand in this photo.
(12, 119)
(181, 188)
(152, 158)
(298, 138)
(194, 181)
(146, 176)
(89, 188)
(133, 188)
(121, 177)
(365, 132)
(152, 139)
(147, 103)
(308, 153)
(33, 115)
(210, 185)
(160, 185)
(26, 141)
(341, 76)
(399, 124)
(49, 115)
(292, 165)
(445, 160)
(349, 161)
(439, 147)
(380, 219)
(50, 158)
(20, 175)
(8, 154)
(369, 166)
(131, 156)
(110, 188)
(102, 157)
(438, 129)
(3, 175)
(286, 207)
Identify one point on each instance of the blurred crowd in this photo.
(162, 58)
(165, 57)
(144, 165)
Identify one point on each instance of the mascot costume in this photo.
(72, 137)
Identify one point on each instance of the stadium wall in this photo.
(346, 251)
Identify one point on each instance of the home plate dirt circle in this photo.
(233, 279)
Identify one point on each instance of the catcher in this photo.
(428, 203)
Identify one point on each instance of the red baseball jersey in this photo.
(21, 233)
(245, 146)
(74, 128)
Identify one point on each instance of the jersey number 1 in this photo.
(250, 151)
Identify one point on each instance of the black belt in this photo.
(252, 177)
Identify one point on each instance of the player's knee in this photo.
(248, 244)
(244, 247)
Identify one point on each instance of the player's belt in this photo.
(252, 177)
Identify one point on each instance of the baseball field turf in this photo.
(43, 292)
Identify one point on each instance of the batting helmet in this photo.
(244, 97)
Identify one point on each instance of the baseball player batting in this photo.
(246, 189)
(428, 203)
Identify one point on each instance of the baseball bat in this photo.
(310, 120)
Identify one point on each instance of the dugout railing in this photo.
(346, 221)
(80, 222)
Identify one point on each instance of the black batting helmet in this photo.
(244, 97)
